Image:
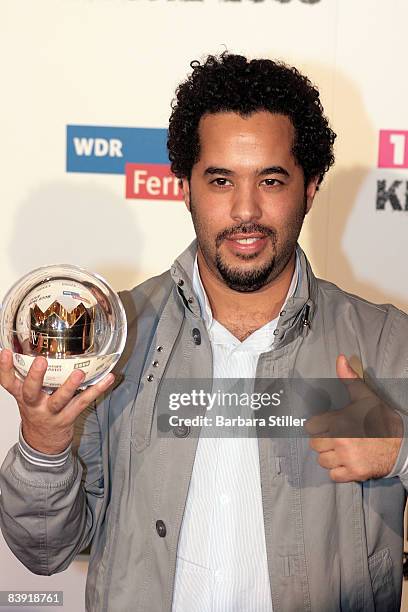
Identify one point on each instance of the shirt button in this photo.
(161, 528)
(196, 336)
(181, 431)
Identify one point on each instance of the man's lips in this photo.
(246, 242)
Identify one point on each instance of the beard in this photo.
(254, 278)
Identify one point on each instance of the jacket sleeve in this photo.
(393, 355)
(49, 508)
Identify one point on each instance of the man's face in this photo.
(247, 197)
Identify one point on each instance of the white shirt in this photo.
(221, 557)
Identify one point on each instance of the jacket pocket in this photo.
(130, 404)
(141, 414)
(380, 568)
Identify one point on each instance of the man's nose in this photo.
(246, 204)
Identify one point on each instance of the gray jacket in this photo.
(330, 546)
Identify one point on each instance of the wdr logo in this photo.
(139, 153)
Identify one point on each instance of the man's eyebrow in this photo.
(214, 170)
(225, 172)
(274, 170)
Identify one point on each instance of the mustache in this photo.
(249, 228)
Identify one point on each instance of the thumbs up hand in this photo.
(356, 458)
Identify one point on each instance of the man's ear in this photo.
(311, 192)
(185, 186)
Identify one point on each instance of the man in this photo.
(214, 524)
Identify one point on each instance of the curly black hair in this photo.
(235, 84)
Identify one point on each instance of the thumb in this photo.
(355, 385)
(344, 369)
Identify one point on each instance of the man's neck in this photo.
(244, 313)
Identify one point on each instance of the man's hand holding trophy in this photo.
(62, 330)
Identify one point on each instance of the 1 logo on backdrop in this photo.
(393, 154)
(138, 153)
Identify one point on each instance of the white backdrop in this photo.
(117, 63)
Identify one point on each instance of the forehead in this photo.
(261, 136)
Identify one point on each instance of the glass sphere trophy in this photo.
(70, 316)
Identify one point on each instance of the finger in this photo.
(83, 399)
(60, 398)
(347, 422)
(329, 460)
(318, 424)
(340, 474)
(321, 445)
(8, 378)
(32, 387)
(355, 385)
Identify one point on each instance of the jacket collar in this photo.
(299, 309)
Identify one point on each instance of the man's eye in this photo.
(271, 182)
(220, 182)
